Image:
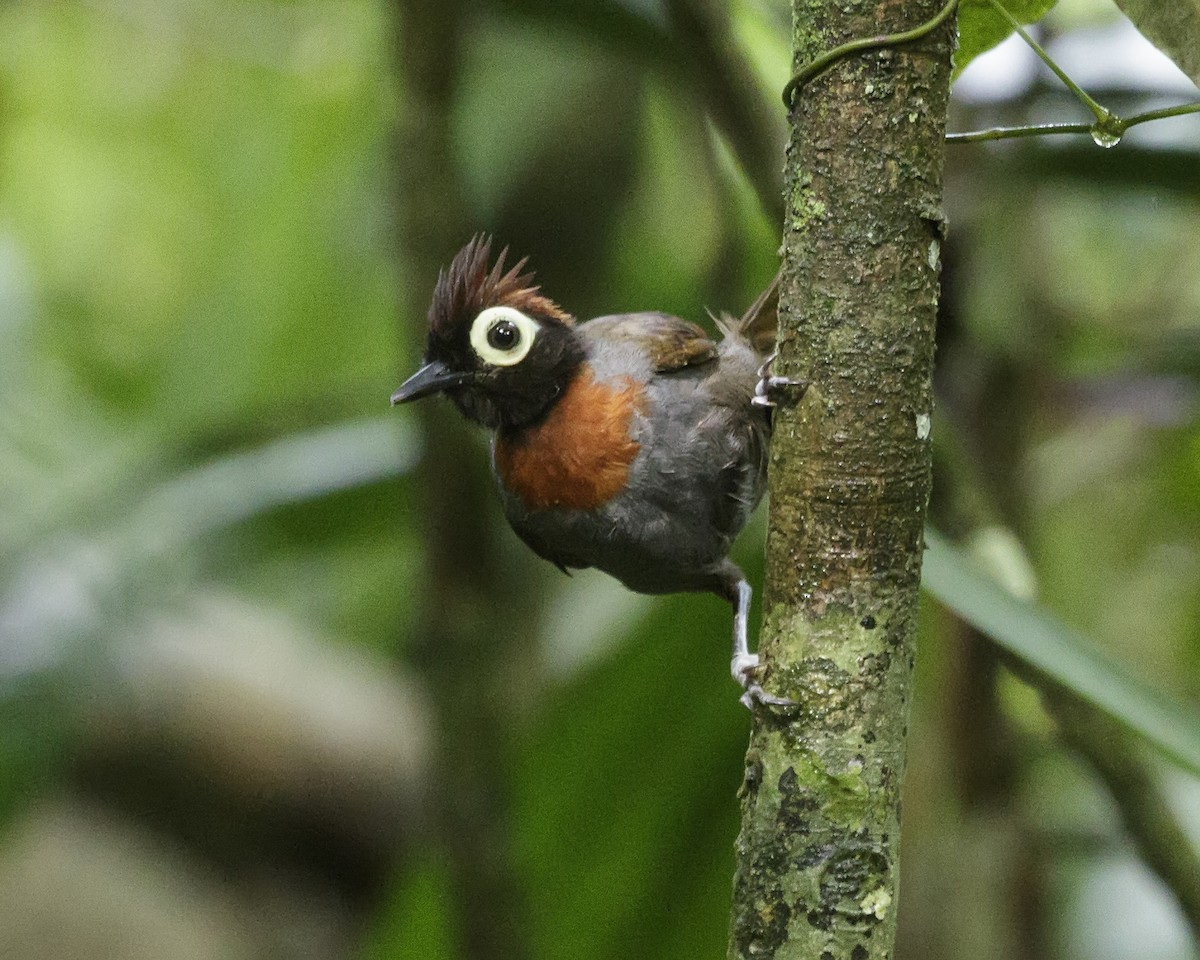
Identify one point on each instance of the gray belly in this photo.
(649, 549)
(692, 487)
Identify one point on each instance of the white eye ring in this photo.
(487, 340)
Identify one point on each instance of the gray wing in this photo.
(670, 343)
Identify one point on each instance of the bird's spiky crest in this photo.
(467, 287)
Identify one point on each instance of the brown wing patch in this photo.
(578, 458)
(669, 342)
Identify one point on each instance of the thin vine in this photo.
(822, 63)
(1106, 130)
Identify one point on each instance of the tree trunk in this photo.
(473, 642)
(849, 482)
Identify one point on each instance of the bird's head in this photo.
(497, 347)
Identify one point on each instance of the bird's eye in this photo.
(502, 336)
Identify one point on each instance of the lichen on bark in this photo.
(849, 482)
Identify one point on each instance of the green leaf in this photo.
(981, 27)
(302, 466)
(1172, 27)
(1065, 655)
(623, 810)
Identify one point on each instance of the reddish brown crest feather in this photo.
(468, 287)
(578, 458)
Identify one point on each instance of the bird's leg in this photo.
(767, 382)
(744, 662)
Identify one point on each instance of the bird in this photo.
(632, 443)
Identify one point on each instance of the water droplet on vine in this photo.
(1105, 138)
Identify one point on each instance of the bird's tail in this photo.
(758, 324)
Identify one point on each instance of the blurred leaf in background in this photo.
(202, 536)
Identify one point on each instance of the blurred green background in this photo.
(275, 679)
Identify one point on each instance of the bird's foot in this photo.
(742, 668)
(767, 382)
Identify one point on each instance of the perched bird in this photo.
(632, 443)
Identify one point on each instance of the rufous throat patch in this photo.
(578, 457)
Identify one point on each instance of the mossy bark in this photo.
(849, 482)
